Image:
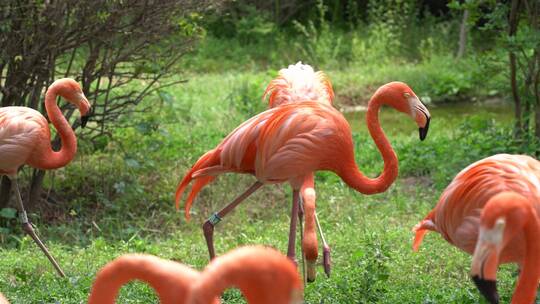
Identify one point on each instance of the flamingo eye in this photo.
(406, 95)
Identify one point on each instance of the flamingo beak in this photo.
(485, 261)
(420, 114)
(488, 288)
(85, 109)
(423, 131)
(84, 120)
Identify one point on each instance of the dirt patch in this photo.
(410, 184)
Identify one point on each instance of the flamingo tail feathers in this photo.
(420, 231)
(209, 159)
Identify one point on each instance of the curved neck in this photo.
(215, 283)
(350, 172)
(170, 280)
(529, 277)
(50, 159)
(259, 280)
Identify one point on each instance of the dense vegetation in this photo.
(117, 196)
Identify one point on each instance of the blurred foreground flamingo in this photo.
(263, 275)
(294, 84)
(290, 142)
(491, 209)
(25, 139)
(3, 300)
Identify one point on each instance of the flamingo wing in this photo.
(285, 142)
(20, 129)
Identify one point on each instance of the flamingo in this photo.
(25, 139)
(491, 209)
(3, 300)
(294, 84)
(290, 142)
(262, 274)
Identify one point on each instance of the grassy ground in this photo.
(370, 239)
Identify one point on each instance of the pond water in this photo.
(442, 116)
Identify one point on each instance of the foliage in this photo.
(318, 42)
(119, 50)
(389, 20)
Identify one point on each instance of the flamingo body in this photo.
(20, 131)
(281, 144)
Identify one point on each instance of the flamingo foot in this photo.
(27, 227)
(327, 261)
(208, 230)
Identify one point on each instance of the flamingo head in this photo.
(402, 98)
(72, 92)
(501, 220)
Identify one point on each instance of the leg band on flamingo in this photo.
(23, 216)
(214, 219)
(208, 226)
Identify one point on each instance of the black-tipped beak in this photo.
(423, 131)
(488, 288)
(84, 120)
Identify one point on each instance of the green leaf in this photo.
(8, 213)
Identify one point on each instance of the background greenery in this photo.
(117, 195)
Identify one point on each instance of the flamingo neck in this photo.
(529, 277)
(50, 159)
(353, 176)
(170, 280)
(214, 284)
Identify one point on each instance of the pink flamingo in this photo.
(290, 142)
(25, 138)
(491, 209)
(294, 84)
(263, 275)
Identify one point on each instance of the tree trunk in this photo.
(5, 191)
(463, 30)
(36, 187)
(537, 126)
(513, 24)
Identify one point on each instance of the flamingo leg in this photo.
(27, 227)
(208, 226)
(291, 249)
(309, 243)
(301, 220)
(327, 262)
